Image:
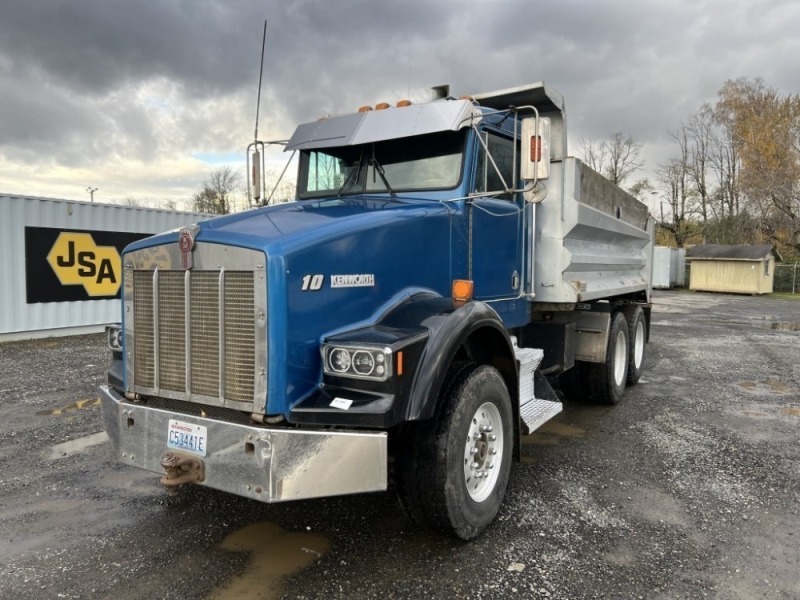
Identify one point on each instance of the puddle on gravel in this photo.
(769, 387)
(274, 554)
(784, 326)
(70, 407)
(770, 411)
(552, 432)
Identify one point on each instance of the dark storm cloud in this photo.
(97, 45)
(85, 80)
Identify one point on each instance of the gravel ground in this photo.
(690, 488)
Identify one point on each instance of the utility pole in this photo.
(91, 191)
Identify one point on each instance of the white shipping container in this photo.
(669, 267)
(28, 310)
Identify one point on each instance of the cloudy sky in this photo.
(142, 98)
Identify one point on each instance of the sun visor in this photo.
(392, 123)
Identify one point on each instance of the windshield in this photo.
(414, 163)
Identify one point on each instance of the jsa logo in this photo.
(77, 260)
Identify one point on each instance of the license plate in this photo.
(187, 436)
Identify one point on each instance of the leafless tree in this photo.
(594, 154)
(700, 134)
(623, 157)
(170, 204)
(132, 201)
(674, 176)
(218, 193)
(617, 158)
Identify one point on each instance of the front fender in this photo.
(433, 333)
(472, 332)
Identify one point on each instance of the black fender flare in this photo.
(472, 329)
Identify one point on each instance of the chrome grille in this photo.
(205, 319)
(171, 331)
(144, 366)
(204, 313)
(239, 336)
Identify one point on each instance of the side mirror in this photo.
(535, 159)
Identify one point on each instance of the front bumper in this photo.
(266, 464)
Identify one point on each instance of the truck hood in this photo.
(285, 228)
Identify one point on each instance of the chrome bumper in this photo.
(270, 465)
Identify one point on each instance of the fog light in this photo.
(114, 337)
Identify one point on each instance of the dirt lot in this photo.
(690, 488)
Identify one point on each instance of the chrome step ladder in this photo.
(534, 412)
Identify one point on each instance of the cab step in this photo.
(534, 411)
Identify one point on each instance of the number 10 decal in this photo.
(313, 282)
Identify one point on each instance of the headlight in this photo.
(114, 336)
(358, 362)
(340, 360)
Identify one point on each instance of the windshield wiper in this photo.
(377, 168)
(351, 177)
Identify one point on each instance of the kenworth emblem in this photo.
(186, 244)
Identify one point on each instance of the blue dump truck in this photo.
(403, 320)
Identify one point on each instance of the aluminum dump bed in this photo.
(592, 239)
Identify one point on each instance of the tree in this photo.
(218, 194)
(700, 137)
(764, 129)
(617, 158)
(170, 204)
(623, 157)
(674, 175)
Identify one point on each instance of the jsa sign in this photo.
(77, 260)
(67, 265)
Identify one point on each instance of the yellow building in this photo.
(737, 269)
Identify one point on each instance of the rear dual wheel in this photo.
(637, 333)
(608, 379)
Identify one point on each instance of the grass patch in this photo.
(784, 296)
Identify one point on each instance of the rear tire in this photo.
(637, 336)
(453, 470)
(608, 378)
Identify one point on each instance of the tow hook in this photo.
(181, 469)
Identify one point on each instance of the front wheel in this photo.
(453, 470)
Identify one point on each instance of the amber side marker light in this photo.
(382, 106)
(403, 103)
(462, 290)
(365, 108)
(536, 148)
(399, 364)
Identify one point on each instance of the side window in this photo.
(325, 172)
(486, 177)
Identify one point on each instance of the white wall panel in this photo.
(18, 212)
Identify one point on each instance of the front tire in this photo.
(453, 469)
